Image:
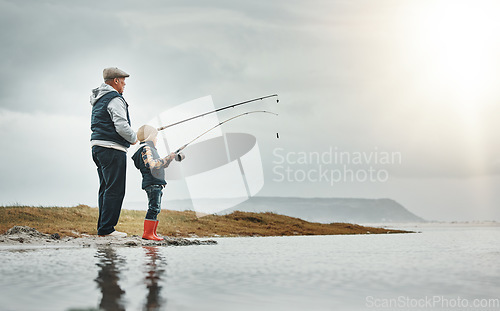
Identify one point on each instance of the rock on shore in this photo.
(24, 235)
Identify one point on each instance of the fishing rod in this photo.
(179, 156)
(219, 109)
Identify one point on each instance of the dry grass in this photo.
(71, 221)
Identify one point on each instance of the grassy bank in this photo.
(72, 221)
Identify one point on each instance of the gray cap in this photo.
(113, 72)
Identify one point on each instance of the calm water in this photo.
(442, 266)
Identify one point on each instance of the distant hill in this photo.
(327, 210)
(322, 210)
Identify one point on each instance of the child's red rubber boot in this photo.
(154, 231)
(149, 229)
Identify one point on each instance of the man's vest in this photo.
(102, 125)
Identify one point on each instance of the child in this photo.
(152, 168)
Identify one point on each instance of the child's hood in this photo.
(136, 157)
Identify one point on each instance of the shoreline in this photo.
(64, 225)
(24, 237)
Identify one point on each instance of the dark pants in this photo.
(111, 168)
(154, 201)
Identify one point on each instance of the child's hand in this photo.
(171, 156)
(168, 159)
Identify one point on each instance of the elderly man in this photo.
(110, 139)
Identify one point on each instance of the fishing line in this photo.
(225, 121)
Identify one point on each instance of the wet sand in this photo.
(25, 237)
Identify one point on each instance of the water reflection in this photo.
(154, 271)
(108, 277)
(110, 265)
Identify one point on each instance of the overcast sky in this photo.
(412, 78)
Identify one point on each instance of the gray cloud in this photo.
(347, 75)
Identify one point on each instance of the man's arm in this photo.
(118, 112)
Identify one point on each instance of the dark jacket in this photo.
(151, 165)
